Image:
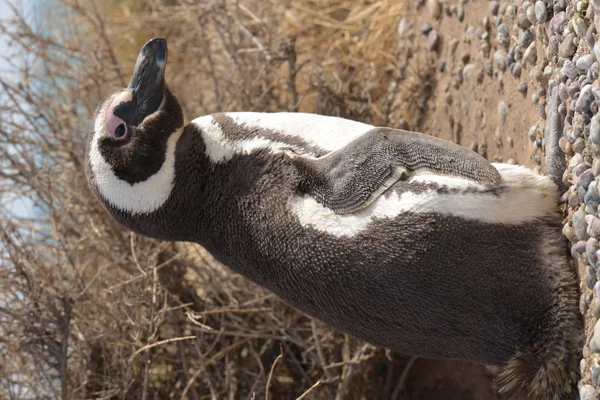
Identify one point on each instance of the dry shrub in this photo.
(89, 310)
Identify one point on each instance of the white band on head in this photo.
(140, 197)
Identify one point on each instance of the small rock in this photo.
(590, 280)
(585, 99)
(588, 392)
(433, 40)
(595, 307)
(530, 54)
(541, 13)
(404, 26)
(593, 226)
(435, 8)
(522, 20)
(580, 25)
(591, 246)
(552, 49)
(590, 36)
(468, 71)
(585, 62)
(584, 303)
(569, 233)
(578, 146)
(502, 112)
(460, 13)
(592, 196)
(494, 7)
(503, 35)
(426, 28)
(525, 38)
(500, 59)
(595, 129)
(595, 372)
(516, 69)
(487, 68)
(567, 48)
(558, 22)
(530, 12)
(580, 224)
(570, 69)
(595, 339)
(522, 87)
(452, 46)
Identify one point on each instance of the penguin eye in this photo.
(120, 132)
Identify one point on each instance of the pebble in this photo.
(487, 68)
(516, 69)
(580, 224)
(468, 71)
(595, 340)
(592, 196)
(525, 38)
(588, 392)
(591, 246)
(595, 371)
(435, 8)
(584, 303)
(570, 69)
(503, 35)
(494, 6)
(558, 22)
(426, 28)
(567, 48)
(585, 62)
(433, 40)
(596, 167)
(578, 147)
(530, 12)
(585, 99)
(522, 87)
(530, 54)
(593, 226)
(522, 20)
(595, 130)
(590, 280)
(502, 112)
(541, 13)
(452, 46)
(590, 36)
(460, 13)
(552, 49)
(569, 233)
(580, 25)
(595, 307)
(500, 59)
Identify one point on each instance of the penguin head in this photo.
(134, 132)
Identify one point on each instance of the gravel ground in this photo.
(511, 74)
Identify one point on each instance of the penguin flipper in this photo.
(351, 178)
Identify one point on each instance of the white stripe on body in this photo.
(528, 196)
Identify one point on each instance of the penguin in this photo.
(402, 240)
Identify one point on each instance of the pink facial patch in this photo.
(112, 121)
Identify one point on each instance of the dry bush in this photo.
(89, 310)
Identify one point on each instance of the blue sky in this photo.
(19, 206)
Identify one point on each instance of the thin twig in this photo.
(271, 373)
(159, 343)
(310, 389)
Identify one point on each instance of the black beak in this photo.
(147, 84)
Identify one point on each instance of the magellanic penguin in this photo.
(400, 239)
